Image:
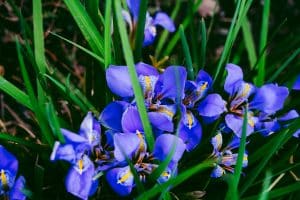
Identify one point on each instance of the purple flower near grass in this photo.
(150, 31)
(225, 158)
(76, 150)
(10, 188)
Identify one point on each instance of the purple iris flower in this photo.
(268, 124)
(10, 188)
(225, 158)
(160, 19)
(133, 146)
(159, 91)
(76, 150)
(296, 85)
(268, 99)
(208, 106)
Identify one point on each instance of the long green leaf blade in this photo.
(133, 76)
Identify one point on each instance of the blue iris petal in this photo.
(16, 191)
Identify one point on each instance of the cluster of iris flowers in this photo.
(114, 144)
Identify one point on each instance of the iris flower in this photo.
(197, 100)
(10, 187)
(268, 124)
(160, 19)
(76, 150)
(133, 146)
(268, 99)
(160, 92)
(225, 158)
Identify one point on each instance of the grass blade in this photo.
(15, 93)
(264, 194)
(249, 42)
(133, 76)
(139, 38)
(189, 63)
(284, 65)
(151, 193)
(259, 80)
(107, 34)
(86, 26)
(185, 23)
(203, 44)
(163, 37)
(79, 47)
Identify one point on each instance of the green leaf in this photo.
(265, 193)
(249, 42)
(39, 172)
(185, 23)
(37, 110)
(15, 92)
(139, 97)
(80, 47)
(86, 26)
(139, 39)
(203, 44)
(189, 63)
(22, 141)
(259, 80)
(158, 188)
(107, 33)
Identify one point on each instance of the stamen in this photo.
(246, 90)
(148, 83)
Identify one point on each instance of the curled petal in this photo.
(269, 98)
(118, 81)
(121, 180)
(63, 152)
(292, 114)
(127, 18)
(217, 142)
(112, 114)
(80, 184)
(162, 19)
(8, 162)
(213, 105)
(90, 129)
(165, 144)
(234, 75)
(131, 121)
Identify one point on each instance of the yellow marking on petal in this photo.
(148, 83)
(3, 177)
(125, 177)
(219, 140)
(80, 165)
(204, 86)
(190, 120)
(251, 122)
(142, 144)
(166, 111)
(165, 174)
(246, 90)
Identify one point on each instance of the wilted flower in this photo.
(9, 187)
